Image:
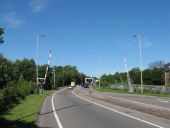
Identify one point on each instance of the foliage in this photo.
(125, 91)
(154, 75)
(1, 37)
(65, 75)
(18, 78)
(25, 67)
(157, 64)
(6, 71)
(13, 92)
(24, 114)
(41, 74)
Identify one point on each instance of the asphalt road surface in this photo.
(151, 100)
(66, 110)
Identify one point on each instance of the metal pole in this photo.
(165, 79)
(37, 59)
(98, 65)
(128, 76)
(63, 76)
(140, 45)
(54, 77)
(99, 82)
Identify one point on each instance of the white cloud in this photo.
(11, 19)
(38, 5)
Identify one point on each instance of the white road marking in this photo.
(165, 108)
(147, 104)
(55, 114)
(119, 112)
(163, 101)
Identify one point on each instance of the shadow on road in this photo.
(16, 124)
(65, 108)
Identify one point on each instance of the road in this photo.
(151, 100)
(70, 111)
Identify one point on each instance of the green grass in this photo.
(105, 89)
(25, 114)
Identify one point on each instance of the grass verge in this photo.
(105, 89)
(24, 114)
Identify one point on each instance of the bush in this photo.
(26, 87)
(14, 92)
(104, 84)
(33, 88)
(8, 96)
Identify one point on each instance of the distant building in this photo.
(167, 74)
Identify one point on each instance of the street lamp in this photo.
(63, 76)
(140, 52)
(54, 77)
(99, 82)
(98, 65)
(37, 54)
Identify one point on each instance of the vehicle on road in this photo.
(70, 87)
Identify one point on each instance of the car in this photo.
(86, 85)
(70, 87)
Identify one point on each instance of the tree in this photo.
(41, 74)
(67, 74)
(158, 75)
(148, 77)
(157, 64)
(25, 67)
(123, 76)
(6, 71)
(71, 74)
(157, 72)
(135, 75)
(117, 78)
(1, 37)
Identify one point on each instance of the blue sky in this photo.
(93, 35)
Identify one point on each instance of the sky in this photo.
(92, 35)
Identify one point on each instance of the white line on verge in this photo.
(119, 112)
(150, 105)
(55, 114)
(163, 101)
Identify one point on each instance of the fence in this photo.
(148, 88)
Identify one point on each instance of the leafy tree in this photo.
(41, 74)
(135, 75)
(117, 78)
(147, 77)
(25, 67)
(6, 71)
(158, 76)
(123, 76)
(67, 74)
(157, 64)
(1, 37)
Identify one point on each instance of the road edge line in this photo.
(120, 112)
(54, 112)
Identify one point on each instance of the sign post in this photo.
(167, 74)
